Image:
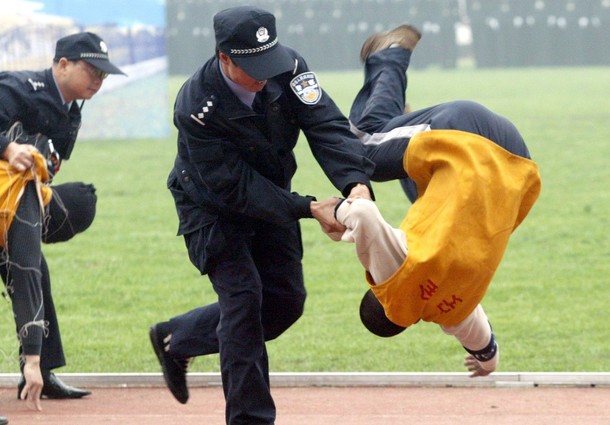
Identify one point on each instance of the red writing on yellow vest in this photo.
(447, 306)
(427, 290)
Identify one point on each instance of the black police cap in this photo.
(249, 37)
(87, 47)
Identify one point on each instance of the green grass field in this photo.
(549, 301)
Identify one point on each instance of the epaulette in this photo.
(36, 85)
(204, 110)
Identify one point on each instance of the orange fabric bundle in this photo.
(12, 184)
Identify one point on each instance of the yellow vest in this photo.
(12, 184)
(472, 195)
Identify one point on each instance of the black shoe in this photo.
(174, 370)
(3, 420)
(54, 388)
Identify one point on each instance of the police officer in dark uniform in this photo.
(238, 119)
(41, 111)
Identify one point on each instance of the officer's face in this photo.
(77, 79)
(239, 76)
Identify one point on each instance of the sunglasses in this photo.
(93, 71)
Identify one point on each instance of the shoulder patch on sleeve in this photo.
(307, 88)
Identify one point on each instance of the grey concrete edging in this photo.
(339, 379)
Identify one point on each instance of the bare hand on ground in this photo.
(32, 390)
(475, 367)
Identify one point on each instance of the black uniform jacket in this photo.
(237, 164)
(32, 97)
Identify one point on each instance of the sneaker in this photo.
(405, 36)
(174, 370)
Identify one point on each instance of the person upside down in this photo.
(469, 175)
(437, 265)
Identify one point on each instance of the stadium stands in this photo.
(329, 33)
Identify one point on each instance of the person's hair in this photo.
(373, 317)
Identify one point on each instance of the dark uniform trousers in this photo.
(259, 282)
(71, 211)
(379, 108)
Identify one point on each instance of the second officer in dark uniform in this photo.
(39, 109)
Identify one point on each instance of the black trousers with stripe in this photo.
(379, 107)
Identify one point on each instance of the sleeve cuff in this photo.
(4, 142)
(303, 206)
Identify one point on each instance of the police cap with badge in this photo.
(87, 47)
(248, 36)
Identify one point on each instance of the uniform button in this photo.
(275, 107)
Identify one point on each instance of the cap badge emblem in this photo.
(103, 47)
(262, 35)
